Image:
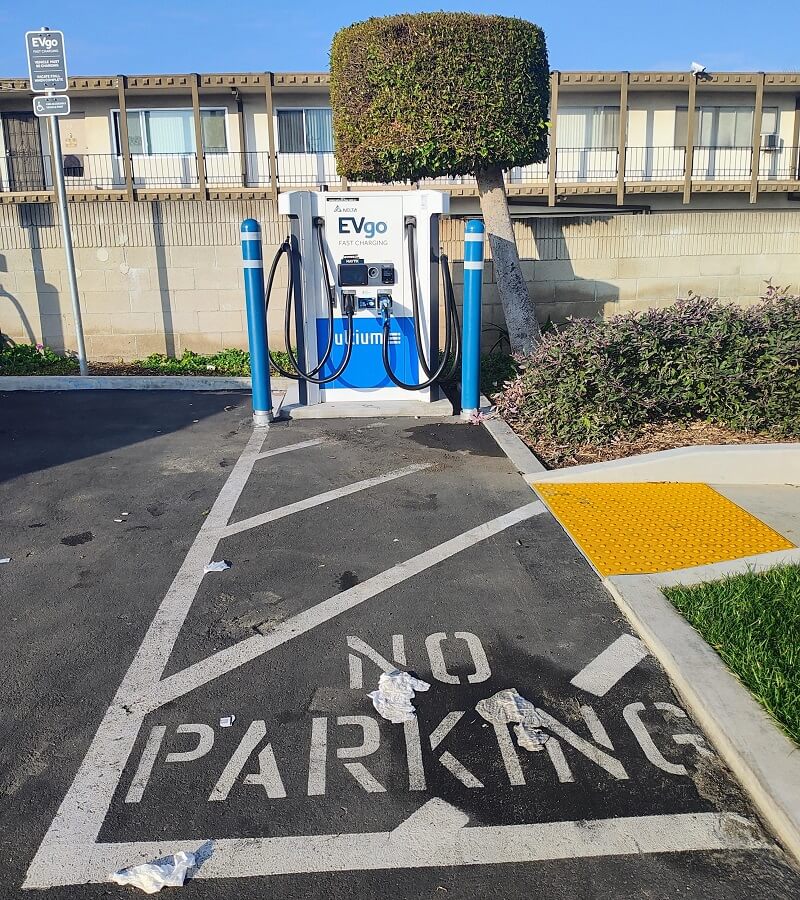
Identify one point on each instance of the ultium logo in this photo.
(366, 339)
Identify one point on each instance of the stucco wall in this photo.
(165, 276)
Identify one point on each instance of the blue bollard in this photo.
(471, 330)
(256, 321)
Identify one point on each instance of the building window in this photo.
(723, 126)
(153, 131)
(305, 130)
(588, 127)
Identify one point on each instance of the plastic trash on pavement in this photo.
(508, 706)
(151, 877)
(393, 697)
(218, 566)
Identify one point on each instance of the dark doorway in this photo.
(24, 152)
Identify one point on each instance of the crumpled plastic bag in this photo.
(218, 566)
(508, 706)
(393, 697)
(151, 877)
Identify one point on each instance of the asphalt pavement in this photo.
(149, 707)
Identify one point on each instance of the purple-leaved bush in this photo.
(700, 359)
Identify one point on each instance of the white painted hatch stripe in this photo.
(318, 500)
(231, 658)
(605, 670)
(300, 445)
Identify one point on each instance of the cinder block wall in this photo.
(612, 264)
(166, 276)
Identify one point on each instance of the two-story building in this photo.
(657, 183)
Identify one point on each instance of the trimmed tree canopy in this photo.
(418, 96)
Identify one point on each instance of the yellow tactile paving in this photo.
(628, 529)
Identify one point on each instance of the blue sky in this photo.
(143, 36)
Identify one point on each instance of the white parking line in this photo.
(318, 500)
(605, 670)
(300, 445)
(433, 836)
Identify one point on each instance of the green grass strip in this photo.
(753, 622)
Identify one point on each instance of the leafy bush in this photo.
(231, 362)
(227, 362)
(417, 96)
(35, 359)
(496, 370)
(591, 381)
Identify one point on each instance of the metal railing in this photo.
(779, 164)
(307, 170)
(586, 164)
(655, 163)
(722, 163)
(249, 169)
(159, 170)
(28, 173)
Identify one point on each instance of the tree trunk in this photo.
(518, 306)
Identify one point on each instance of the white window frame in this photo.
(117, 137)
(590, 110)
(717, 109)
(302, 109)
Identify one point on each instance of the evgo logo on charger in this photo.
(352, 225)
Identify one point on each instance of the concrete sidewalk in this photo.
(356, 546)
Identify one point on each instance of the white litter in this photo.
(393, 697)
(7, 559)
(151, 877)
(227, 721)
(218, 566)
(508, 706)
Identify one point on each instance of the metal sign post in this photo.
(47, 66)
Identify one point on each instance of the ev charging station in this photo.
(362, 302)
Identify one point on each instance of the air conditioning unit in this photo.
(770, 141)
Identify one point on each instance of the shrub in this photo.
(232, 362)
(589, 381)
(35, 359)
(417, 96)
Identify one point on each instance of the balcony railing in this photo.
(722, 163)
(82, 172)
(582, 164)
(165, 170)
(655, 163)
(779, 164)
(307, 170)
(28, 173)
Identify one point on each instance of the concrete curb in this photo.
(777, 463)
(764, 760)
(130, 383)
(510, 443)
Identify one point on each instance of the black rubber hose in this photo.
(452, 327)
(411, 228)
(451, 308)
(298, 374)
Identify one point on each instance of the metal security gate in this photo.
(25, 165)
